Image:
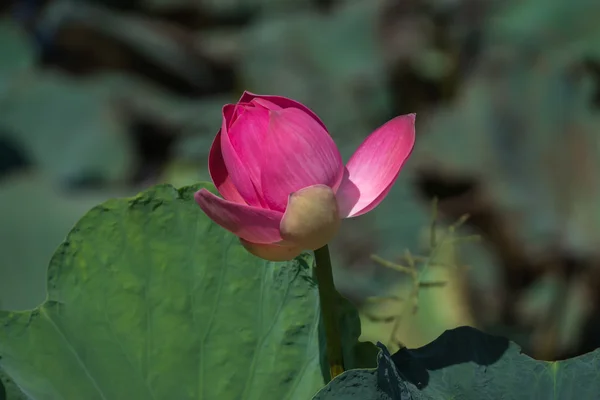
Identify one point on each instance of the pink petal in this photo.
(374, 167)
(237, 169)
(272, 252)
(282, 102)
(246, 136)
(219, 175)
(297, 152)
(253, 224)
(236, 111)
(269, 105)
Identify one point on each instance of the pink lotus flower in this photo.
(285, 188)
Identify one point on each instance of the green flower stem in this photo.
(328, 298)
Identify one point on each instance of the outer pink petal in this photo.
(253, 224)
(297, 152)
(374, 167)
(272, 252)
(219, 175)
(238, 171)
(282, 102)
(246, 136)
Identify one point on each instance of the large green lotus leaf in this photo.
(467, 364)
(148, 299)
(8, 389)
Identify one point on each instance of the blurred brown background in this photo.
(103, 98)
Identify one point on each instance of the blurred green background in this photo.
(103, 98)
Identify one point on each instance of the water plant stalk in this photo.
(328, 299)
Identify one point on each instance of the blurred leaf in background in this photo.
(68, 129)
(521, 135)
(35, 219)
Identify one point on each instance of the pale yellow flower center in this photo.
(311, 218)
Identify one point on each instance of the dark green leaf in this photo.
(9, 390)
(467, 364)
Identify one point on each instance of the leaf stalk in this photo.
(328, 300)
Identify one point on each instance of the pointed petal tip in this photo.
(247, 96)
(401, 119)
(400, 128)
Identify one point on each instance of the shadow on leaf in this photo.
(457, 346)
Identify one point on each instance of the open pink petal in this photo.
(253, 224)
(238, 171)
(374, 167)
(282, 102)
(219, 175)
(297, 152)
